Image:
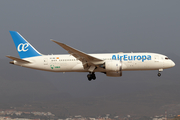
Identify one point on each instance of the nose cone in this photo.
(168, 64)
(172, 64)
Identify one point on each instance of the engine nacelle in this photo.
(114, 74)
(113, 68)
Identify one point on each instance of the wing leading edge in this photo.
(89, 62)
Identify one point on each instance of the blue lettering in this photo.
(114, 57)
(129, 58)
(148, 57)
(125, 57)
(143, 58)
(139, 57)
(121, 58)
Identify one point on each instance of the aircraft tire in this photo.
(93, 76)
(159, 74)
(89, 76)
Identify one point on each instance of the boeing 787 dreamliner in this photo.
(111, 64)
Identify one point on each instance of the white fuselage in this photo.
(129, 61)
(112, 64)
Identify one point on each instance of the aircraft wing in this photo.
(87, 60)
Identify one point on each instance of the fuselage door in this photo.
(158, 62)
(156, 58)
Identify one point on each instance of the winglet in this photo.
(56, 42)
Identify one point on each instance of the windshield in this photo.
(167, 58)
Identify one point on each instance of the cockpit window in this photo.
(167, 58)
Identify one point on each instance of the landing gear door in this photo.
(45, 61)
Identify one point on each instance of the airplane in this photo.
(111, 64)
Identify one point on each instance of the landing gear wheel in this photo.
(89, 77)
(93, 76)
(159, 74)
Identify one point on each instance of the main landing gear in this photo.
(159, 74)
(91, 76)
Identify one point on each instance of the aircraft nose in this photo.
(173, 64)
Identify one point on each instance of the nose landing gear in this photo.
(91, 76)
(159, 74)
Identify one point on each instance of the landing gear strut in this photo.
(91, 76)
(159, 74)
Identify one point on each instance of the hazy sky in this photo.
(92, 26)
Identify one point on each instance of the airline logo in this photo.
(53, 67)
(131, 57)
(23, 47)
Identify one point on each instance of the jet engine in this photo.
(113, 68)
